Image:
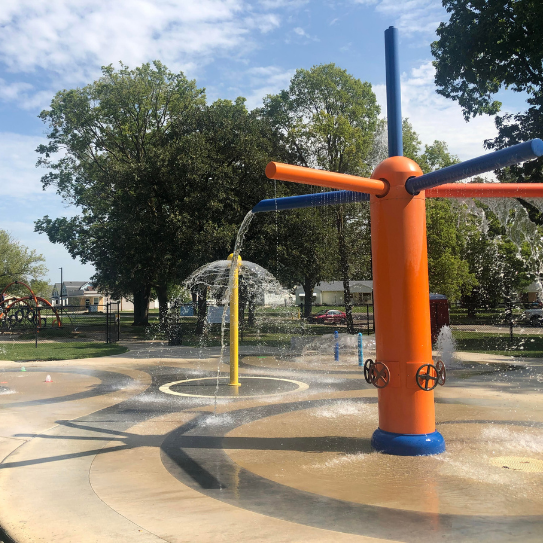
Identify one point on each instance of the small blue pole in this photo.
(311, 200)
(394, 96)
(336, 350)
(360, 350)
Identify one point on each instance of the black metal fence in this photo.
(507, 319)
(28, 323)
(363, 319)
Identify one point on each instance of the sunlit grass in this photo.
(524, 346)
(58, 351)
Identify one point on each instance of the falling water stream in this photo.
(237, 250)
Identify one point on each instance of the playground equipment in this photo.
(24, 310)
(403, 370)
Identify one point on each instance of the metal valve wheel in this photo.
(427, 380)
(380, 376)
(441, 373)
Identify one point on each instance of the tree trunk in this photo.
(344, 266)
(309, 285)
(202, 310)
(194, 296)
(141, 305)
(162, 293)
(470, 303)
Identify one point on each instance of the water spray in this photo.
(403, 369)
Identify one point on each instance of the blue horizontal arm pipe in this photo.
(311, 200)
(475, 166)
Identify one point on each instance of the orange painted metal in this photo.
(400, 284)
(486, 190)
(401, 298)
(322, 178)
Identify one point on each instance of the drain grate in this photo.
(518, 463)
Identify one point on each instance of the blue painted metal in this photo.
(360, 350)
(311, 200)
(486, 163)
(394, 96)
(407, 444)
(336, 349)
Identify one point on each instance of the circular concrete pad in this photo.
(211, 387)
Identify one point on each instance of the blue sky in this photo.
(231, 47)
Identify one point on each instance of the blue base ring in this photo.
(407, 444)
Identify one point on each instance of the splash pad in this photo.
(397, 190)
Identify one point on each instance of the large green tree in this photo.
(448, 271)
(162, 179)
(326, 119)
(110, 152)
(500, 266)
(19, 263)
(487, 46)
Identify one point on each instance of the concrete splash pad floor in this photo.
(133, 449)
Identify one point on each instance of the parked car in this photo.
(332, 316)
(535, 316)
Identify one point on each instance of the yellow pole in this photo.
(234, 326)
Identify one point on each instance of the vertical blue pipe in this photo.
(336, 350)
(360, 350)
(394, 97)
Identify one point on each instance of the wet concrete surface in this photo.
(110, 451)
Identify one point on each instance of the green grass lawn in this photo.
(57, 351)
(524, 346)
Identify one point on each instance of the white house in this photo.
(533, 292)
(283, 297)
(83, 294)
(332, 293)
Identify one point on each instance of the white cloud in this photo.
(435, 118)
(265, 80)
(303, 34)
(13, 91)
(25, 95)
(264, 22)
(410, 16)
(283, 4)
(19, 178)
(66, 42)
(23, 201)
(73, 39)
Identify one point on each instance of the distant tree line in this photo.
(163, 180)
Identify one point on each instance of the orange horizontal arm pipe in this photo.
(322, 178)
(486, 190)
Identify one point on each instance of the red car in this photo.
(332, 316)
